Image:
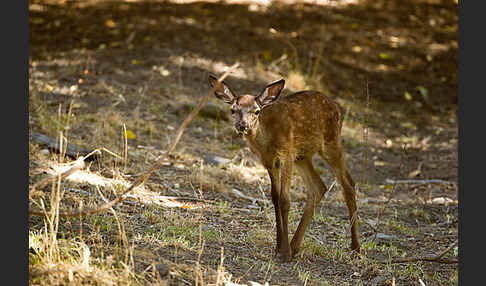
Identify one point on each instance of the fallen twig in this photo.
(144, 177)
(431, 181)
(438, 258)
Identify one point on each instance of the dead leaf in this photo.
(110, 23)
(130, 134)
(407, 96)
(423, 91)
(356, 49)
(163, 71)
(384, 56)
(414, 174)
(408, 125)
(379, 163)
(137, 62)
(186, 206)
(267, 55)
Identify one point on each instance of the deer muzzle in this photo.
(241, 128)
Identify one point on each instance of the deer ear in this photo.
(222, 91)
(271, 93)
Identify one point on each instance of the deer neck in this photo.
(256, 138)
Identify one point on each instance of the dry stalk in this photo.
(125, 147)
(220, 276)
(198, 274)
(121, 226)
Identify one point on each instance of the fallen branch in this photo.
(438, 258)
(51, 143)
(154, 167)
(432, 181)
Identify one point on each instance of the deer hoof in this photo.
(355, 247)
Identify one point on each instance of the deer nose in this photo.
(242, 127)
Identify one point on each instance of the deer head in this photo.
(245, 109)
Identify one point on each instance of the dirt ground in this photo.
(97, 66)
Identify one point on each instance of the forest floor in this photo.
(97, 68)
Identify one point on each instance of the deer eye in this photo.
(257, 111)
(233, 111)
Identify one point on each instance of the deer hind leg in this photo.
(333, 155)
(315, 189)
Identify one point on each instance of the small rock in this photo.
(371, 222)
(385, 237)
(215, 160)
(180, 166)
(252, 283)
(377, 280)
(162, 269)
(442, 201)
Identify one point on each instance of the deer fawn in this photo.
(286, 132)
